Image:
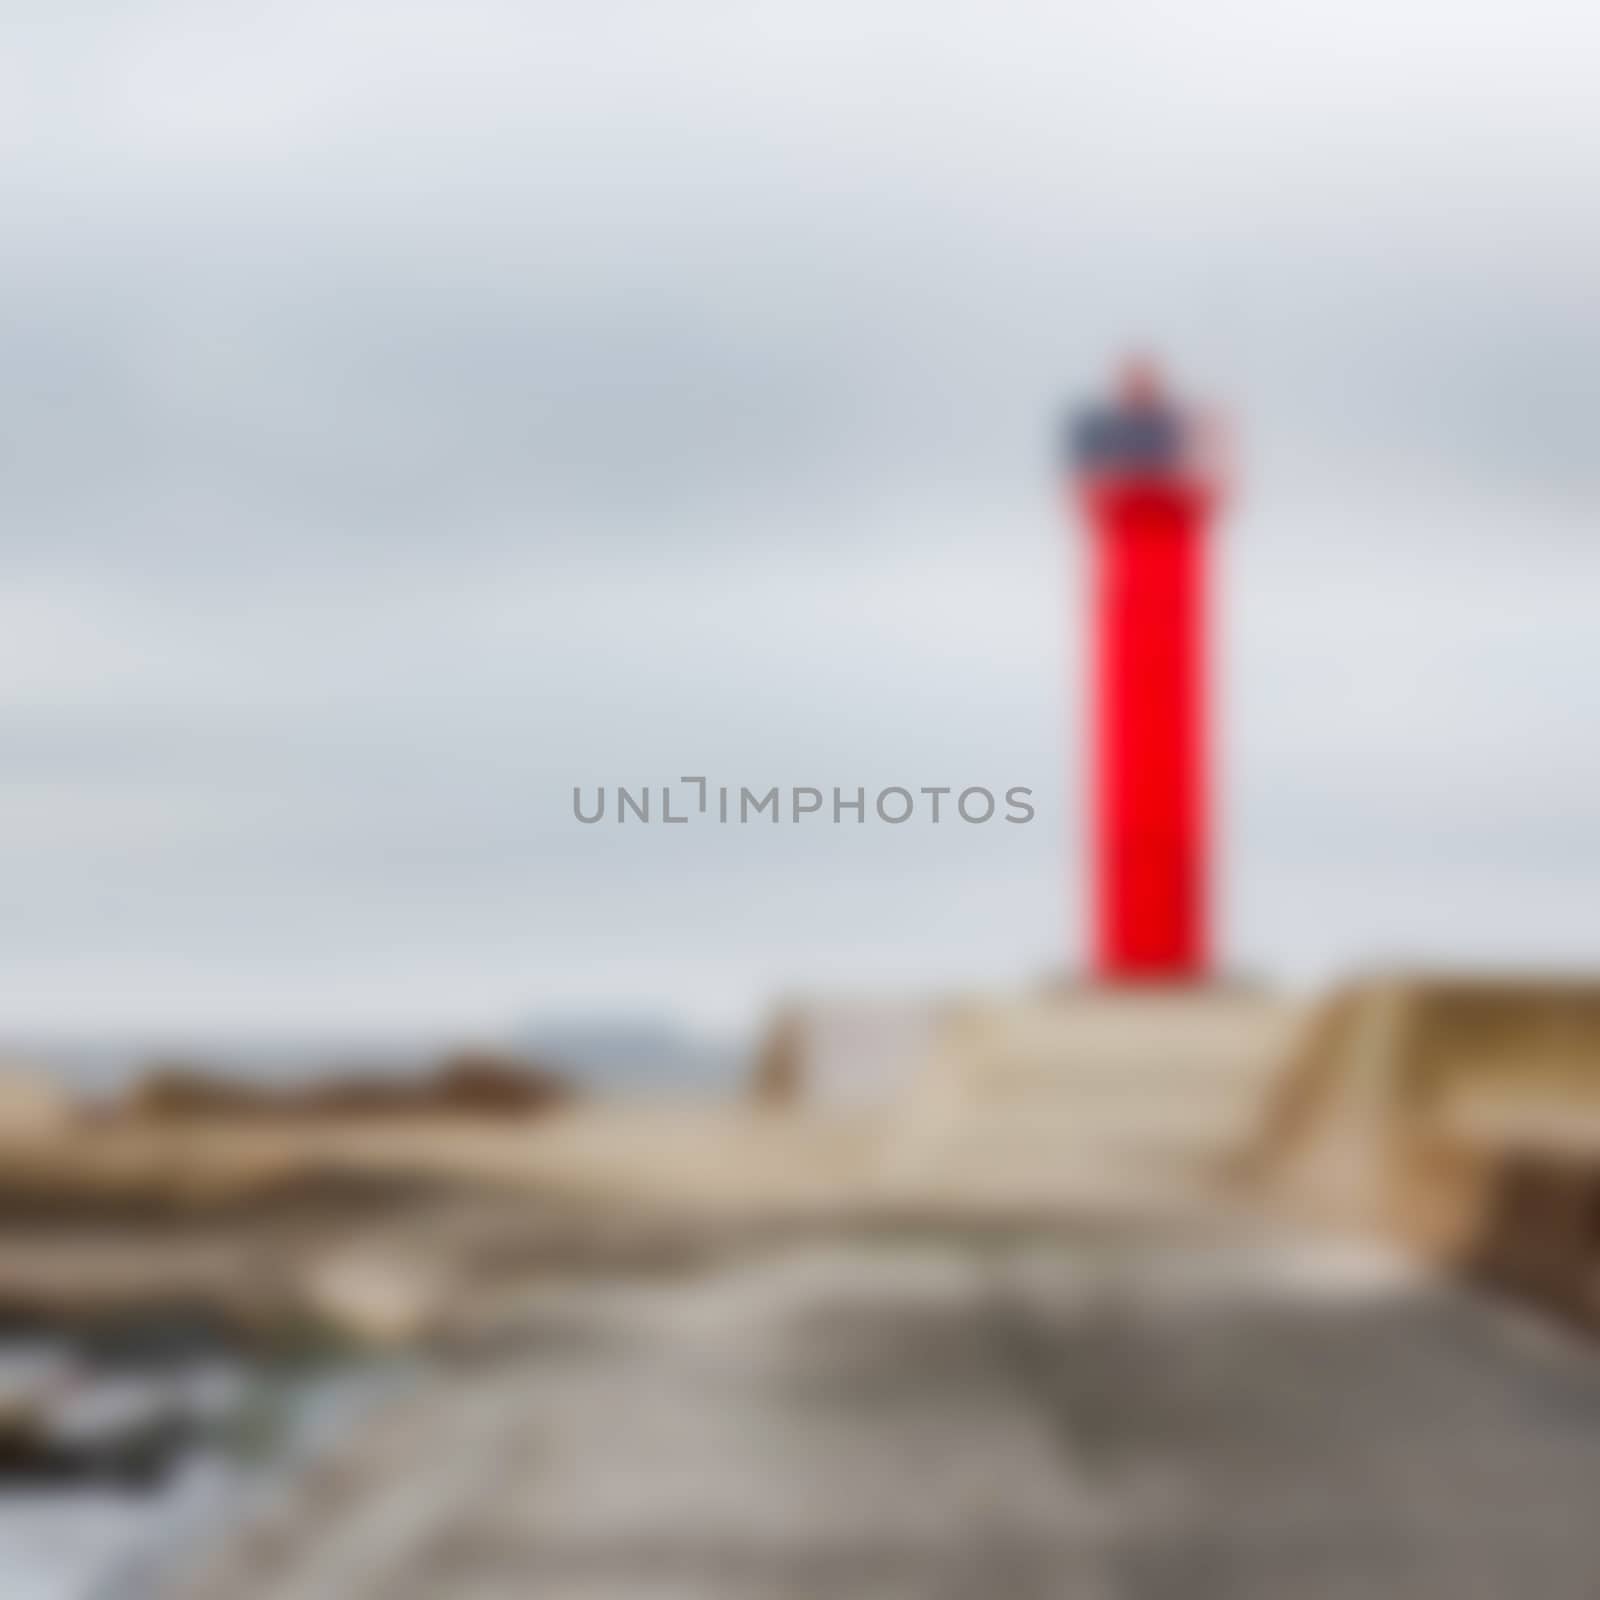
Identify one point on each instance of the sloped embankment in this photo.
(1460, 1114)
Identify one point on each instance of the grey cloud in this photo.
(420, 410)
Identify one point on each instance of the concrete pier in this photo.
(854, 1419)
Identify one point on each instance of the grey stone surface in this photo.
(995, 1421)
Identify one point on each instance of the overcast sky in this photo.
(410, 411)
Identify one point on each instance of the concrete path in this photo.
(874, 1421)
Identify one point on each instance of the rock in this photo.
(377, 1298)
(32, 1106)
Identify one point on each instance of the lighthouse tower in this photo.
(1145, 477)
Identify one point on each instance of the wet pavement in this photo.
(1003, 1420)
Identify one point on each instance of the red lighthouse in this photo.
(1148, 494)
